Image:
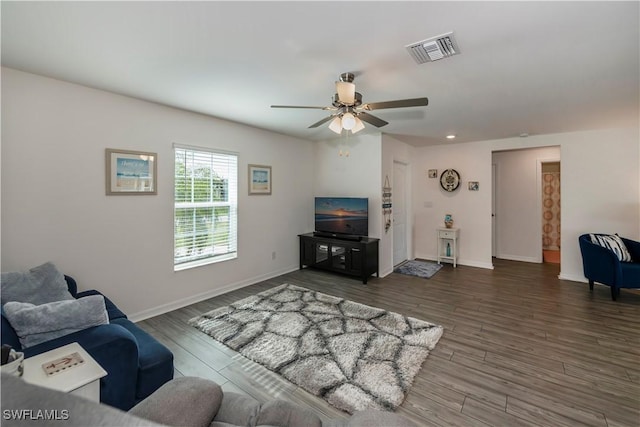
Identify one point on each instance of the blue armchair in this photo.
(602, 265)
(135, 362)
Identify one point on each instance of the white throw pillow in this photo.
(614, 243)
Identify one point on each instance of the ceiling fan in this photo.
(348, 111)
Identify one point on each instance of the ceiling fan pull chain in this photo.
(346, 143)
(344, 152)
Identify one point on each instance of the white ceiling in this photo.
(534, 67)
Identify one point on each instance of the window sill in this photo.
(202, 262)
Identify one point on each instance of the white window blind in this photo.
(206, 199)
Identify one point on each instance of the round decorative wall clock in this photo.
(450, 180)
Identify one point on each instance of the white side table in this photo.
(82, 380)
(448, 236)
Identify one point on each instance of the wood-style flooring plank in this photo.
(436, 414)
(491, 416)
(184, 361)
(257, 380)
(520, 347)
(542, 414)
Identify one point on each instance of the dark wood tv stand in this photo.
(352, 257)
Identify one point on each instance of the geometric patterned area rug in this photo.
(352, 355)
(424, 269)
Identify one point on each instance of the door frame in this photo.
(494, 208)
(407, 209)
(539, 184)
(496, 172)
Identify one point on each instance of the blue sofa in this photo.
(602, 265)
(136, 363)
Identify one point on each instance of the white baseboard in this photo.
(460, 261)
(427, 257)
(386, 272)
(479, 264)
(519, 258)
(572, 277)
(174, 305)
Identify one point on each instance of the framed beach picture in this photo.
(131, 172)
(259, 179)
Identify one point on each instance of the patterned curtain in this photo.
(551, 210)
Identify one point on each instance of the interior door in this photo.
(399, 210)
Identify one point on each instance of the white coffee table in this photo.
(82, 380)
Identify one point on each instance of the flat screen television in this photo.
(342, 216)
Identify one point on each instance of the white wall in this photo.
(471, 210)
(518, 202)
(363, 174)
(600, 184)
(54, 206)
(600, 191)
(357, 175)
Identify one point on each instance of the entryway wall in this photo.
(518, 202)
(594, 163)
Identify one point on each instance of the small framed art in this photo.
(259, 179)
(131, 172)
(474, 185)
(433, 173)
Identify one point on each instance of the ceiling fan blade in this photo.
(325, 120)
(372, 119)
(302, 106)
(414, 102)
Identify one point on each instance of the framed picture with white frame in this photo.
(130, 172)
(259, 179)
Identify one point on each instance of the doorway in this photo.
(517, 196)
(551, 212)
(399, 213)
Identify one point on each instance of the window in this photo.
(205, 207)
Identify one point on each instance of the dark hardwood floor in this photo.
(520, 347)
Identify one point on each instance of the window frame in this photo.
(231, 202)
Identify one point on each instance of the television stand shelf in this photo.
(352, 257)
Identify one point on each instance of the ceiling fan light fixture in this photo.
(346, 92)
(348, 121)
(358, 126)
(347, 110)
(336, 125)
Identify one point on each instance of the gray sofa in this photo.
(184, 401)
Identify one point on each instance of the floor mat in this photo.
(425, 269)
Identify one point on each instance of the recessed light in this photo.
(451, 136)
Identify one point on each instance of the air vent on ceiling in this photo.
(434, 48)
